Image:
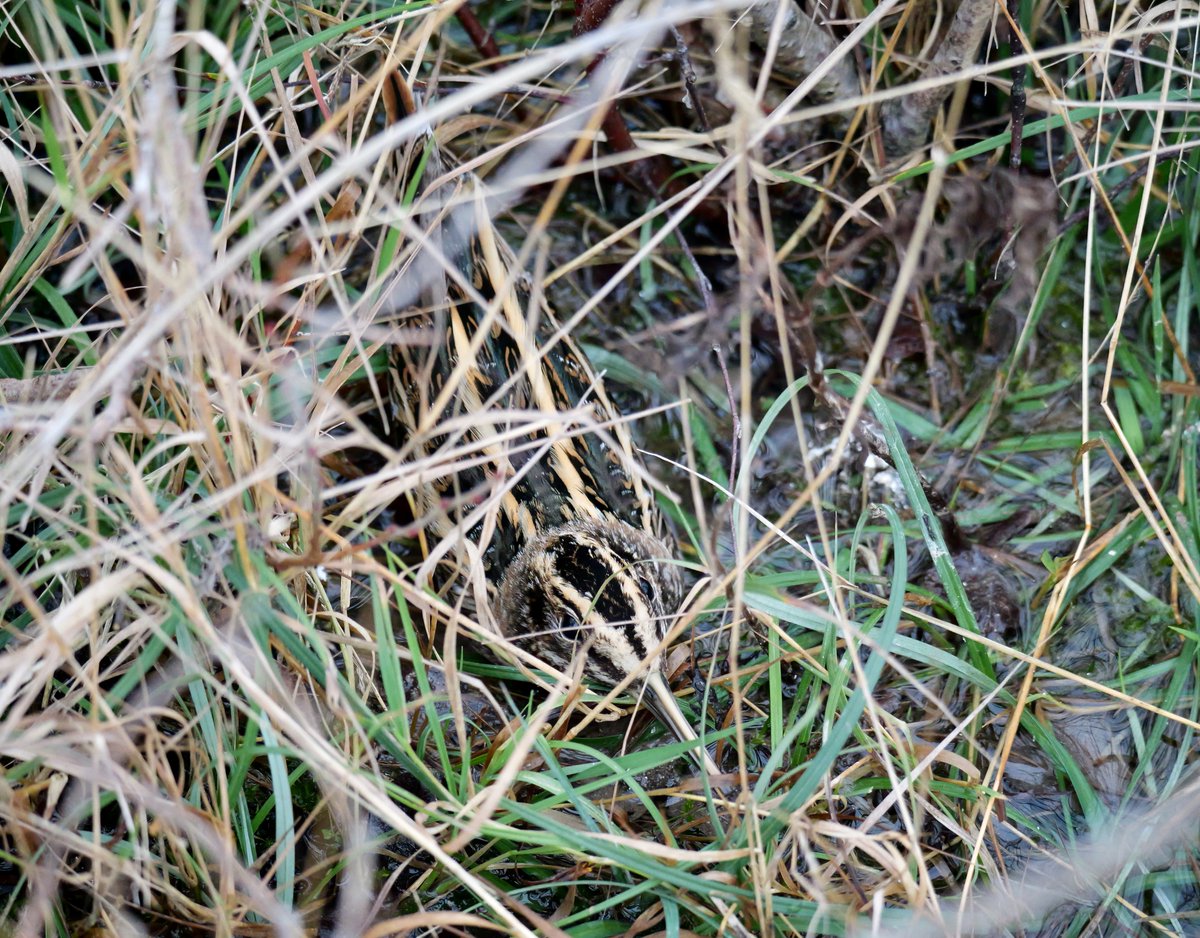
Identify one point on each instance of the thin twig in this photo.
(693, 99)
(733, 412)
(1017, 92)
(702, 281)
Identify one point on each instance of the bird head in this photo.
(597, 584)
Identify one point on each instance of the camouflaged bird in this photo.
(579, 556)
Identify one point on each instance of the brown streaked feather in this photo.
(579, 561)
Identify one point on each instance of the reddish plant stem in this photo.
(591, 13)
(653, 172)
(482, 39)
(316, 86)
(485, 44)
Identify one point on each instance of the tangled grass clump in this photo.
(937, 490)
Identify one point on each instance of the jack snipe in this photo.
(580, 559)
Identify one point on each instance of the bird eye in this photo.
(568, 624)
(647, 586)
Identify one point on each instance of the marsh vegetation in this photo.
(898, 301)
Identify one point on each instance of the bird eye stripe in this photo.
(635, 640)
(535, 599)
(609, 667)
(626, 553)
(586, 566)
(588, 571)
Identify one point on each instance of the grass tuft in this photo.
(925, 427)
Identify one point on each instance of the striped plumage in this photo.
(576, 551)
